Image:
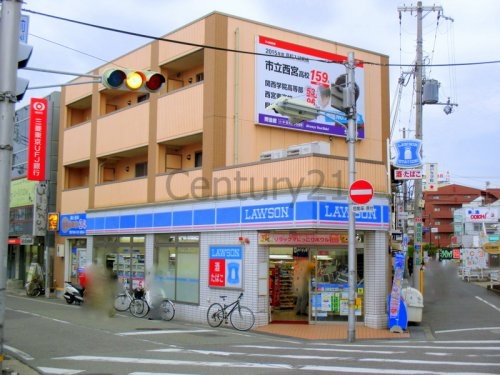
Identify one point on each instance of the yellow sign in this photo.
(53, 221)
(492, 247)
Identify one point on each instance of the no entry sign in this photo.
(361, 192)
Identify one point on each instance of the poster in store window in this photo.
(225, 266)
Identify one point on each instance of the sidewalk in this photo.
(13, 366)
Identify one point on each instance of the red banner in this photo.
(37, 139)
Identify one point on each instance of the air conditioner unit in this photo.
(316, 147)
(273, 154)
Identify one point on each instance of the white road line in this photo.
(488, 303)
(162, 332)
(470, 329)
(171, 362)
(60, 371)
(19, 353)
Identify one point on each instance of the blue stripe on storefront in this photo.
(285, 215)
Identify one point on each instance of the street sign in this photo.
(24, 28)
(361, 191)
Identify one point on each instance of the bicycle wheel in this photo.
(242, 318)
(139, 308)
(215, 315)
(122, 302)
(167, 309)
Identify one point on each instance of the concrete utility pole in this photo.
(418, 279)
(351, 249)
(9, 45)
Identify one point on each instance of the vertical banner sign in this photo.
(397, 317)
(225, 266)
(37, 139)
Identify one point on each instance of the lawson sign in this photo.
(407, 153)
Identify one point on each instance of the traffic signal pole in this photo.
(9, 44)
(351, 250)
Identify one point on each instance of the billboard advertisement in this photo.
(304, 73)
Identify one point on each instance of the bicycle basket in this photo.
(138, 293)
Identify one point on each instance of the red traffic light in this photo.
(132, 80)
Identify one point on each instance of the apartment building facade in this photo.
(201, 190)
(439, 208)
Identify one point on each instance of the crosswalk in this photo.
(288, 357)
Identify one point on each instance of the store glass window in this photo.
(124, 256)
(177, 266)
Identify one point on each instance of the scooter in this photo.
(73, 293)
(34, 288)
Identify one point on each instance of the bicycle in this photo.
(123, 300)
(241, 317)
(140, 306)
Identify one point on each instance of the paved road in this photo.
(460, 334)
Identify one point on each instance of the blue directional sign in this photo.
(407, 153)
(24, 28)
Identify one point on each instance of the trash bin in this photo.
(414, 303)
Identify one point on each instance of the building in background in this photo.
(439, 208)
(30, 200)
(201, 191)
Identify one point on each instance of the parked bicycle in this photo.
(123, 300)
(140, 306)
(241, 317)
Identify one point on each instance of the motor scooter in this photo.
(73, 293)
(34, 284)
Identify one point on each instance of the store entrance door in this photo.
(290, 272)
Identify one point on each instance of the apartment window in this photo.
(142, 98)
(198, 158)
(199, 77)
(141, 169)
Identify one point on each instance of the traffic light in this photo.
(132, 80)
(339, 94)
(23, 55)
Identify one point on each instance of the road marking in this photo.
(19, 353)
(471, 329)
(171, 362)
(162, 332)
(61, 371)
(488, 303)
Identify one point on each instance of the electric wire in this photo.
(224, 49)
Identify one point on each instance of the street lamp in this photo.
(298, 111)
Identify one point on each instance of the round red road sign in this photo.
(361, 192)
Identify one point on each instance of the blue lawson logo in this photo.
(407, 153)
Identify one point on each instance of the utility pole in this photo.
(418, 254)
(351, 249)
(9, 45)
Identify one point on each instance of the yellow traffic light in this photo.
(132, 80)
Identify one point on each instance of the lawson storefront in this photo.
(287, 254)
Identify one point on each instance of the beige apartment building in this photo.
(200, 191)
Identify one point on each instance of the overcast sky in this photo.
(465, 143)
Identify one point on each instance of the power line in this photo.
(242, 51)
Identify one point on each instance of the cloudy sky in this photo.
(461, 50)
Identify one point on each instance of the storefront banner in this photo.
(229, 216)
(225, 266)
(296, 71)
(303, 239)
(473, 258)
(73, 225)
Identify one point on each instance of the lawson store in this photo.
(288, 254)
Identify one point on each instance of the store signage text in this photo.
(267, 213)
(225, 266)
